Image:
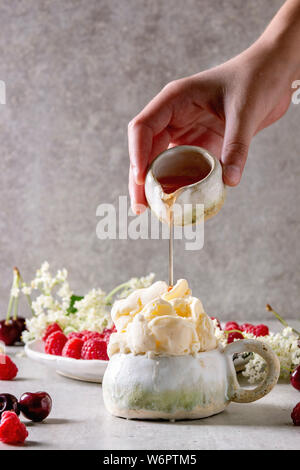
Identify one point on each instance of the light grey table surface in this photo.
(79, 420)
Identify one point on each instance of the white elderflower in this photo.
(284, 345)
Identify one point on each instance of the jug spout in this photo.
(183, 178)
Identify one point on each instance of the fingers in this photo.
(144, 129)
(239, 131)
(137, 195)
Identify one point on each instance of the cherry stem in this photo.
(232, 331)
(11, 297)
(27, 295)
(282, 320)
(17, 284)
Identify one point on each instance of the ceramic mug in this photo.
(182, 387)
(209, 191)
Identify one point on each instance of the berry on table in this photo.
(73, 348)
(261, 330)
(94, 348)
(55, 342)
(8, 369)
(8, 402)
(295, 378)
(35, 406)
(231, 325)
(51, 329)
(9, 332)
(295, 415)
(234, 335)
(12, 431)
(247, 327)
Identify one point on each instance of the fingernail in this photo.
(232, 175)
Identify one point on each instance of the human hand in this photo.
(220, 109)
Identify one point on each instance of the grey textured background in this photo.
(76, 72)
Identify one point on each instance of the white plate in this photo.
(78, 369)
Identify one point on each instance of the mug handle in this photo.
(241, 395)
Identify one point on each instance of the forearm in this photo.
(283, 36)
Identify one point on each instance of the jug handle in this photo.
(241, 395)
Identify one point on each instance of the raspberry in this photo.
(231, 325)
(295, 415)
(248, 328)
(217, 321)
(235, 335)
(92, 335)
(261, 330)
(8, 369)
(51, 329)
(12, 431)
(75, 334)
(73, 348)
(94, 348)
(55, 343)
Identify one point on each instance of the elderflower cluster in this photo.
(92, 312)
(284, 345)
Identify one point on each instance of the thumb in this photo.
(237, 138)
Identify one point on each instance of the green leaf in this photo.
(73, 299)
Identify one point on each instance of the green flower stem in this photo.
(114, 291)
(17, 284)
(282, 320)
(11, 298)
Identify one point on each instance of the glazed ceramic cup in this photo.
(182, 387)
(209, 191)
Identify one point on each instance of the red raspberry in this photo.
(73, 348)
(248, 328)
(218, 322)
(231, 325)
(75, 334)
(261, 330)
(295, 415)
(94, 348)
(12, 431)
(232, 336)
(50, 329)
(55, 343)
(8, 369)
(92, 335)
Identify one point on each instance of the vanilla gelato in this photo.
(161, 321)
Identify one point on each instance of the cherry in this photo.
(9, 332)
(8, 402)
(235, 335)
(20, 323)
(295, 378)
(35, 406)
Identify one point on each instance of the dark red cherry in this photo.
(8, 402)
(20, 323)
(35, 406)
(9, 332)
(295, 378)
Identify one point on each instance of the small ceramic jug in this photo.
(185, 160)
(182, 387)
